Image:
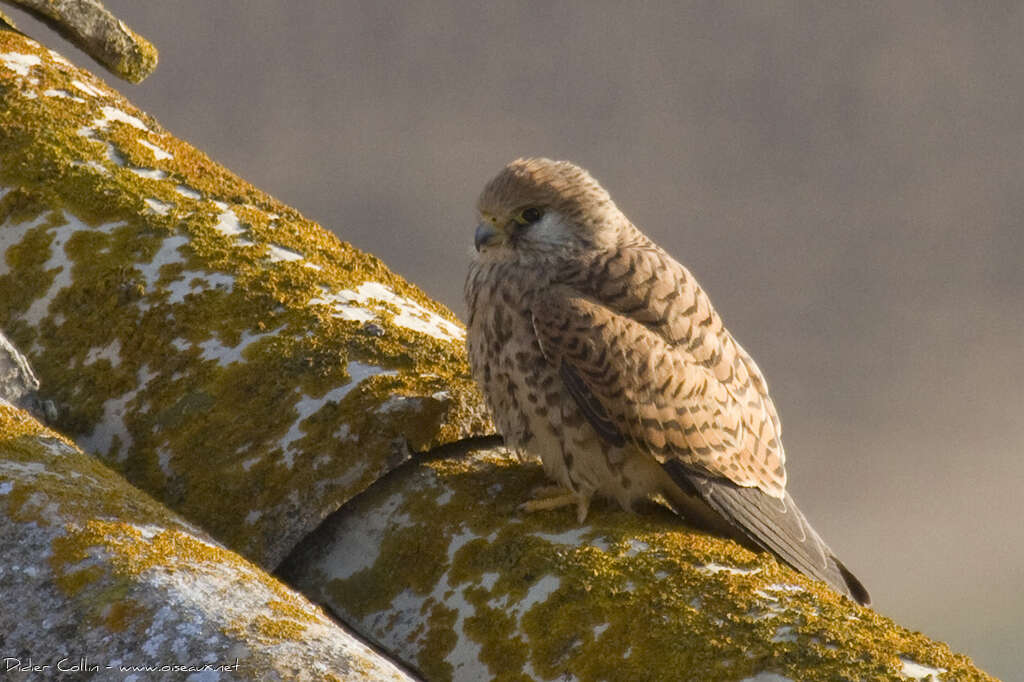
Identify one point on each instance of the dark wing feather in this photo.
(590, 406)
(775, 524)
(632, 385)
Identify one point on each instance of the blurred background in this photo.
(845, 181)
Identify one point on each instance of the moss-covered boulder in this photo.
(230, 357)
(99, 580)
(436, 564)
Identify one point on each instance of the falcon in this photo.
(599, 353)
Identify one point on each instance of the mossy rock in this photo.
(97, 574)
(230, 357)
(436, 565)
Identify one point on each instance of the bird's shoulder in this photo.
(640, 281)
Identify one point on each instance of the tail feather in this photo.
(775, 524)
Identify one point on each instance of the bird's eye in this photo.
(530, 215)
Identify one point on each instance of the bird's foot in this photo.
(555, 497)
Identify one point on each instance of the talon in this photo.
(554, 502)
(582, 507)
(555, 497)
(543, 492)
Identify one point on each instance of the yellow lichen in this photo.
(125, 613)
(628, 596)
(203, 437)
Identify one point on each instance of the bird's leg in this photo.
(555, 497)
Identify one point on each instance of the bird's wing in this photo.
(776, 524)
(638, 280)
(632, 384)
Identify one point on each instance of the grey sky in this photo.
(844, 180)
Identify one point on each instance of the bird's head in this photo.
(539, 207)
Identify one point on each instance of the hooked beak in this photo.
(486, 234)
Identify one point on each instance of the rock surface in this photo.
(98, 575)
(436, 565)
(18, 383)
(231, 358)
(255, 374)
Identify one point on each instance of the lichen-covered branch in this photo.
(98, 33)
